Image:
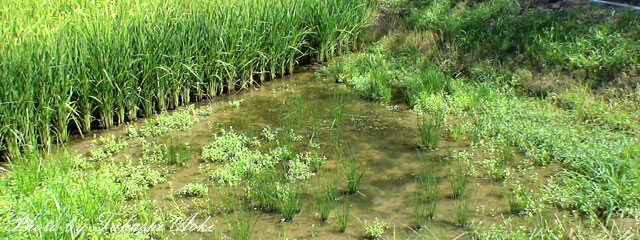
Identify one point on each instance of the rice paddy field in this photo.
(319, 119)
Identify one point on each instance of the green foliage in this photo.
(343, 215)
(241, 224)
(375, 230)
(236, 103)
(52, 190)
(461, 210)
(458, 179)
(161, 124)
(110, 146)
(193, 190)
(518, 198)
(326, 199)
(429, 132)
(351, 171)
(178, 153)
(120, 60)
(153, 152)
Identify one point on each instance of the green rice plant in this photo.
(343, 215)
(428, 185)
(289, 200)
(506, 153)
(177, 153)
(262, 191)
(419, 212)
(351, 172)
(193, 190)
(458, 180)
(241, 224)
(375, 230)
(120, 60)
(337, 110)
(429, 133)
(326, 199)
(461, 210)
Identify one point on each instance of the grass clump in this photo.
(343, 215)
(193, 190)
(461, 210)
(429, 132)
(288, 201)
(326, 200)
(337, 110)
(178, 153)
(351, 172)
(458, 180)
(241, 224)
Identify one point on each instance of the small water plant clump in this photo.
(153, 152)
(461, 210)
(337, 111)
(458, 179)
(351, 171)
(326, 199)
(241, 224)
(109, 146)
(459, 175)
(288, 201)
(193, 190)
(375, 230)
(160, 125)
(429, 132)
(343, 215)
(517, 198)
(428, 185)
(236, 103)
(177, 153)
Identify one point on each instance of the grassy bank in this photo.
(69, 67)
(559, 85)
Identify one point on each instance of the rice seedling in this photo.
(343, 215)
(351, 172)
(326, 199)
(419, 212)
(177, 153)
(458, 179)
(337, 111)
(506, 153)
(461, 209)
(428, 185)
(241, 224)
(289, 201)
(429, 133)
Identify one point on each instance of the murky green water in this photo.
(386, 144)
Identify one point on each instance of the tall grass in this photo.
(109, 62)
